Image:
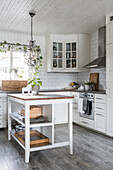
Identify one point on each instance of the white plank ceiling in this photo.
(54, 16)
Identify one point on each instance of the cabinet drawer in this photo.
(75, 106)
(3, 97)
(101, 108)
(3, 114)
(87, 123)
(3, 123)
(3, 106)
(100, 98)
(100, 122)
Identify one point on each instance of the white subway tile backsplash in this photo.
(56, 80)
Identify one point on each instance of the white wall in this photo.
(93, 55)
(23, 39)
(49, 80)
(58, 80)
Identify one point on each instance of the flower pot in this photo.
(86, 87)
(92, 87)
(35, 89)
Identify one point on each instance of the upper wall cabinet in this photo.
(57, 55)
(109, 29)
(71, 55)
(67, 53)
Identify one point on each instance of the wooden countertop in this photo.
(39, 97)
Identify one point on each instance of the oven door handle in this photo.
(91, 100)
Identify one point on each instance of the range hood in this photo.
(101, 60)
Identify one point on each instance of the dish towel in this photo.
(89, 108)
(85, 104)
(80, 105)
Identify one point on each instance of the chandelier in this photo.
(32, 51)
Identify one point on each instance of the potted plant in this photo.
(34, 81)
(86, 84)
(92, 85)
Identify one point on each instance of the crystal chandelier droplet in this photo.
(32, 52)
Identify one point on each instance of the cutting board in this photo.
(13, 85)
(94, 77)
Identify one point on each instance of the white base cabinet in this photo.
(100, 122)
(61, 113)
(100, 113)
(109, 73)
(3, 110)
(87, 123)
(76, 116)
(60, 110)
(110, 117)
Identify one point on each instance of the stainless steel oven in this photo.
(87, 105)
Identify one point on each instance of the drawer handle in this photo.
(99, 114)
(75, 108)
(99, 108)
(99, 98)
(84, 122)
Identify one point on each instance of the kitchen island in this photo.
(47, 102)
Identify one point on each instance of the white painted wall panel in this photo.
(24, 39)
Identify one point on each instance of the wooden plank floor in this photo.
(92, 151)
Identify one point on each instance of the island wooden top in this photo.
(39, 97)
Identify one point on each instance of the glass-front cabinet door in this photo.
(57, 55)
(71, 55)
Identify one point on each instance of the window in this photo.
(4, 65)
(12, 65)
(18, 63)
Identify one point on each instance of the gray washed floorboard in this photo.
(92, 151)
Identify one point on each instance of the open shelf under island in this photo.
(46, 129)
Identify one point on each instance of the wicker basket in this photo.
(35, 111)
